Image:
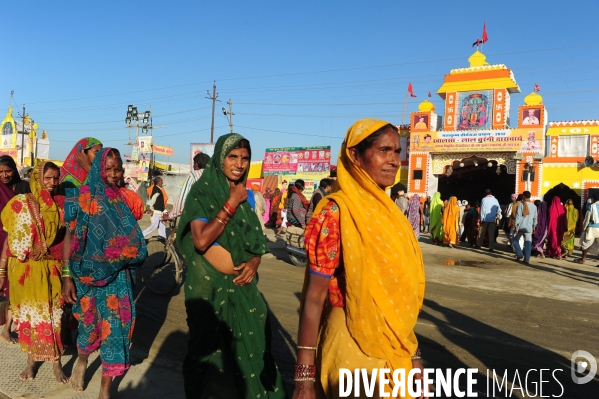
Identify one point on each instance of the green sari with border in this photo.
(229, 330)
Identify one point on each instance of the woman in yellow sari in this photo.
(572, 220)
(32, 253)
(451, 222)
(363, 255)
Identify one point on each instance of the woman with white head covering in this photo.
(461, 205)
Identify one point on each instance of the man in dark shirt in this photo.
(324, 188)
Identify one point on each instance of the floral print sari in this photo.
(106, 244)
(35, 235)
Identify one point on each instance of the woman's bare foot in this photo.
(78, 374)
(8, 336)
(29, 372)
(105, 387)
(58, 373)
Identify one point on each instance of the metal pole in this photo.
(23, 136)
(213, 105)
(231, 115)
(403, 114)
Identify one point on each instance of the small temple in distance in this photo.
(473, 145)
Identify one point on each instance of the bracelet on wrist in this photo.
(220, 221)
(417, 355)
(305, 372)
(229, 208)
(308, 348)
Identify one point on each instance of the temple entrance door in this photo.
(468, 178)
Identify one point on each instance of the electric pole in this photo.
(229, 114)
(212, 97)
(24, 115)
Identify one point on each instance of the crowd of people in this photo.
(530, 228)
(71, 244)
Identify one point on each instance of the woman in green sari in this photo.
(221, 240)
(436, 218)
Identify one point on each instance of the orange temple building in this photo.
(474, 145)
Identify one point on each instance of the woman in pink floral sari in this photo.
(105, 244)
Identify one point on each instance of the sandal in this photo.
(579, 260)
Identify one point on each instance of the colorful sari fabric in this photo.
(72, 175)
(451, 222)
(572, 221)
(134, 202)
(555, 228)
(414, 214)
(436, 211)
(229, 332)
(106, 244)
(275, 212)
(384, 275)
(5, 195)
(540, 234)
(35, 235)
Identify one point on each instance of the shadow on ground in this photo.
(498, 351)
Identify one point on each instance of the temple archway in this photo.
(466, 176)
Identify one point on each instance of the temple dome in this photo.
(478, 59)
(533, 99)
(426, 106)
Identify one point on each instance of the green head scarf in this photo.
(243, 236)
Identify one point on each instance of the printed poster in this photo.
(145, 144)
(293, 160)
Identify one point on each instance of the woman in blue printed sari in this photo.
(105, 244)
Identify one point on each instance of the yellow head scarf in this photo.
(383, 262)
(47, 207)
(31, 220)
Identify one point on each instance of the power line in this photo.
(318, 72)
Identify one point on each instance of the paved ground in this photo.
(481, 310)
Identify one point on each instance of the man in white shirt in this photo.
(490, 212)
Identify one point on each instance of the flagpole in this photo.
(403, 114)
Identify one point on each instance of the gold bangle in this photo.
(308, 348)
(5, 260)
(220, 221)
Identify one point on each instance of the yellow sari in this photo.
(451, 222)
(32, 222)
(384, 276)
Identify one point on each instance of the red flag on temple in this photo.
(537, 88)
(411, 90)
(477, 43)
(485, 37)
(429, 94)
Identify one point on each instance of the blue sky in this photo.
(298, 73)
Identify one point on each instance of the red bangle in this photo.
(229, 208)
(305, 372)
